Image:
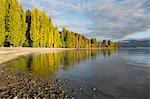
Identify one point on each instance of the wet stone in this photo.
(24, 85)
(94, 89)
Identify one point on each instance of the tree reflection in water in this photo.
(47, 64)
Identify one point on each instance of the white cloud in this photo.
(101, 18)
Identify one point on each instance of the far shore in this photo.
(9, 53)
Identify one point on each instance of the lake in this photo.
(116, 74)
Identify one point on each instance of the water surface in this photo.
(122, 73)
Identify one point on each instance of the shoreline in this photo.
(9, 53)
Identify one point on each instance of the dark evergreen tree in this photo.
(28, 41)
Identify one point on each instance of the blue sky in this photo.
(103, 19)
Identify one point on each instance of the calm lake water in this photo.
(122, 73)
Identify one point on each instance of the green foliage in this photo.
(23, 26)
(64, 37)
(69, 39)
(57, 39)
(43, 30)
(50, 34)
(104, 43)
(15, 27)
(93, 42)
(35, 29)
(7, 19)
(98, 44)
(13, 23)
(112, 44)
(2, 22)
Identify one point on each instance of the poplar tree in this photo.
(69, 40)
(35, 26)
(76, 40)
(35, 29)
(73, 39)
(82, 45)
(86, 43)
(93, 42)
(57, 40)
(14, 23)
(63, 37)
(89, 43)
(104, 43)
(2, 22)
(98, 44)
(45, 29)
(50, 34)
(80, 41)
(42, 29)
(7, 22)
(23, 26)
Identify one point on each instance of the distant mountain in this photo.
(135, 43)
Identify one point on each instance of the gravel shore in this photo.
(18, 84)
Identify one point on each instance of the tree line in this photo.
(35, 29)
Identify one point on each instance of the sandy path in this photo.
(7, 54)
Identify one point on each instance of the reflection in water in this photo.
(118, 74)
(47, 64)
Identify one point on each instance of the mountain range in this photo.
(134, 43)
